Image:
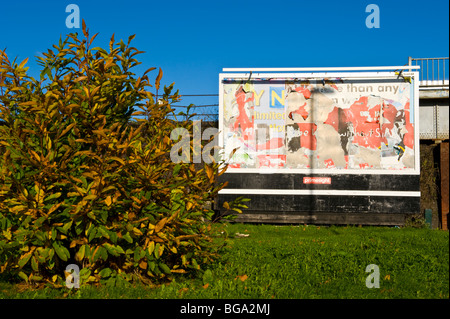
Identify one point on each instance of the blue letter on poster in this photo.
(277, 97)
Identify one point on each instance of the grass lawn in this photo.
(301, 262)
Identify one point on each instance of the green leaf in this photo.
(66, 227)
(54, 234)
(103, 253)
(119, 249)
(96, 254)
(128, 238)
(34, 264)
(80, 254)
(92, 232)
(24, 259)
(176, 169)
(195, 264)
(113, 237)
(139, 253)
(164, 268)
(23, 276)
(111, 249)
(105, 272)
(61, 251)
(103, 231)
(52, 196)
(84, 274)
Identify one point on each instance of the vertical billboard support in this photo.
(321, 147)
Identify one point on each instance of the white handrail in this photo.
(313, 69)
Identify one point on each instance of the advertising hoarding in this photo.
(321, 147)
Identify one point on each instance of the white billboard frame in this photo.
(347, 73)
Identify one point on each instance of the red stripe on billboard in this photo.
(316, 180)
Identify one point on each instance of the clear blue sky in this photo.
(193, 40)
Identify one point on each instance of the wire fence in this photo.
(203, 112)
(209, 112)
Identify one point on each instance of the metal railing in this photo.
(433, 71)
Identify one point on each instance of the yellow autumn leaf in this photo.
(209, 172)
(100, 132)
(35, 155)
(158, 79)
(118, 159)
(143, 264)
(21, 65)
(151, 247)
(179, 271)
(67, 129)
(161, 250)
(95, 90)
(137, 232)
(108, 201)
(71, 194)
(241, 278)
(89, 197)
(81, 78)
(160, 224)
(86, 90)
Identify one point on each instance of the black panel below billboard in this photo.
(325, 203)
(373, 219)
(365, 182)
(325, 209)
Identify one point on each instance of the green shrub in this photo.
(81, 183)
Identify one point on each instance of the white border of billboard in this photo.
(360, 73)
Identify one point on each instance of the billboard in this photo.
(343, 123)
